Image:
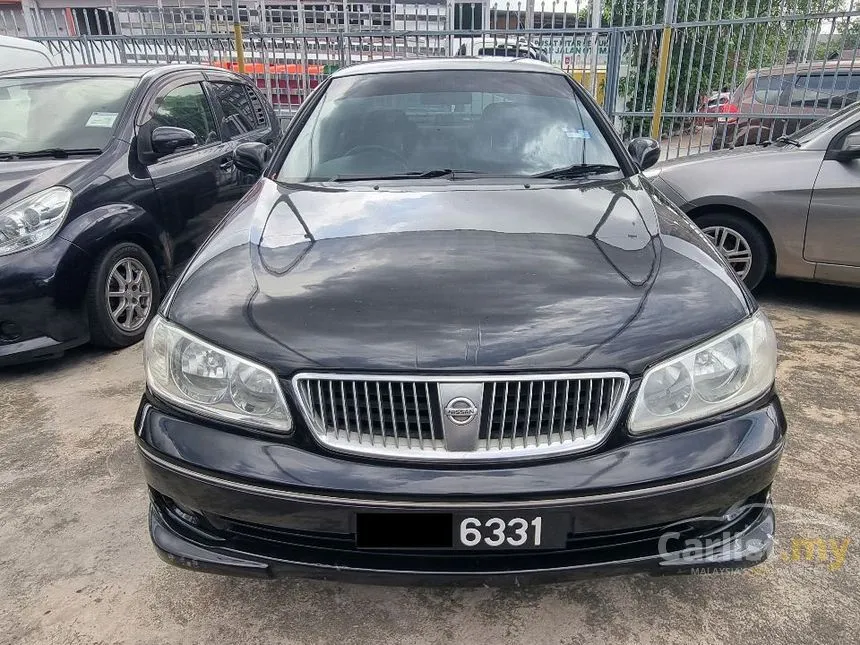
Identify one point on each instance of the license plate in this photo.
(486, 531)
(490, 531)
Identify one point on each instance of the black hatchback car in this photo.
(454, 334)
(110, 179)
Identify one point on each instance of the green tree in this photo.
(709, 57)
(839, 36)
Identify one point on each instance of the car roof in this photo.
(464, 63)
(22, 43)
(841, 65)
(108, 71)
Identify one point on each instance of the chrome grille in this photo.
(376, 414)
(520, 416)
(534, 413)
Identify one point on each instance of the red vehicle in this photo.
(714, 104)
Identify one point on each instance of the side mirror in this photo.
(167, 140)
(251, 157)
(645, 151)
(850, 149)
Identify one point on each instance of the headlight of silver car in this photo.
(196, 375)
(727, 371)
(34, 219)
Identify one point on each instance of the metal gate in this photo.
(697, 73)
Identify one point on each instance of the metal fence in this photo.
(696, 72)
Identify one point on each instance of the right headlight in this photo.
(34, 219)
(198, 376)
(723, 373)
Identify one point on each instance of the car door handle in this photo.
(226, 163)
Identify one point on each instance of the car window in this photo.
(493, 122)
(504, 50)
(767, 90)
(240, 114)
(187, 107)
(829, 90)
(91, 107)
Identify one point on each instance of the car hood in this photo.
(19, 179)
(760, 180)
(750, 154)
(457, 277)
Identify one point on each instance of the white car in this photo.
(19, 53)
(499, 46)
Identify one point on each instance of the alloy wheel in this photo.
(129, 294)
(733, 246)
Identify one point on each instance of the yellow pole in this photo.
(240, 47)
(662, 74)
(237, 36)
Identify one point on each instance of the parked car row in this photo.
(157, 145)
(448, 274)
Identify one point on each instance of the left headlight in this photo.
(727, 371)
(34, 219)
(196, 375)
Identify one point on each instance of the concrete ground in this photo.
(76, 565)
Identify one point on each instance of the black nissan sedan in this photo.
(110, 178)
(453, 334)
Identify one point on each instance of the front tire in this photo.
(123, 296)
(741, 242)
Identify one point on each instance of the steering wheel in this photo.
(375, 148)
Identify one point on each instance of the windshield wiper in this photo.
(576, 170)
(788, 140)
(424, 174)
(56, 153)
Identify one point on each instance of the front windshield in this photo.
(60, 112)
(485, 122)
(832, 121)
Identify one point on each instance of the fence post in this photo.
(304, 36)
(207, 19)
(341, 50)
(30, 9)
(663, 67)
(237, 36)
(613, 73)
(596, 15)
(264, 48)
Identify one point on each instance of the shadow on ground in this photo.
(796, 293)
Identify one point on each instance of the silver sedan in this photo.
(790, 208)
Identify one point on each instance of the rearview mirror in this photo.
(850, 149)
(251, 157)
(167, 140)
(645, 151)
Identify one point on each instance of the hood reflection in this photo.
(454, 279)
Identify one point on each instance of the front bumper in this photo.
(736, 545)
(242, 505)
(42, 311)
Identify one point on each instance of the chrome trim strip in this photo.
(525, 453)
(457, 378)
(454, 506)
